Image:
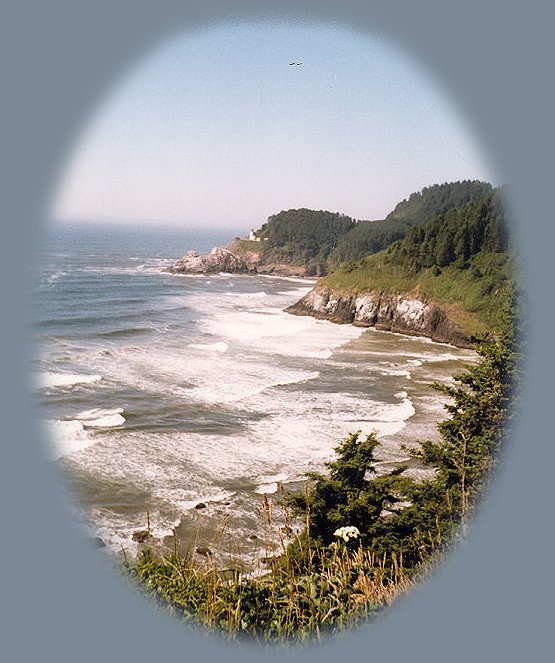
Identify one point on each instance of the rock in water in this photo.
(140, 536)
(218, 260)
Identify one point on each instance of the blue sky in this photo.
(217, 129)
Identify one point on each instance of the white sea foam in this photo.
(247, 295)
(398, 372)
(48, 380)
(244, 382)
(292, 279)
(270, 330)
(152, 266)
(217, 347)
(232, 352)
(269, 484)
(192, 276)
(180, 470)
(97, 418)
(66, 437)
(55, 276)
(266, 488)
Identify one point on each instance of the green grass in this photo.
(345, 588)
(307, 592)
(474, 296)
(244, 246)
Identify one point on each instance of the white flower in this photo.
(346, 533)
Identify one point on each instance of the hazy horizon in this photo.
(218, 129)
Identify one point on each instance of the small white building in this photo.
(253, 237)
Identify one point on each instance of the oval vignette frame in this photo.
(120, 623)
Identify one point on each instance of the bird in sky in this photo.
(295, 63)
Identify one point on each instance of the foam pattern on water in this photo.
(161, 392)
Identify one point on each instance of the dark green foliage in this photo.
(436, 200)
(321, 240)
(303, 237)
(367, 237)
(453, 238)
(479, 410)
(348, 496)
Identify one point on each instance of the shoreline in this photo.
(403, 313)
(203, 526)
(197, 527)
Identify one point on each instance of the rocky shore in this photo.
(218, 260)
(227, 261)
(401, 313)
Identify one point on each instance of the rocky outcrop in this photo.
(218, 260)
(401, 313)
(224, 260)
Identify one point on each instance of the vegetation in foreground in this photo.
(325, 591)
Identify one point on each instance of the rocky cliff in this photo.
(401, 313)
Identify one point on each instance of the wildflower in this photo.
(346, 533)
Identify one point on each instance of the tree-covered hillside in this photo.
(460, 259)
(455, 237)
(321, 240)
(436, 200)
(303, 237)
(367, 237)
(373, 236)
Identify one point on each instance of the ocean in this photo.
(188, 400)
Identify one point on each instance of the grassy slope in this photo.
(245, 246)
(473, 297)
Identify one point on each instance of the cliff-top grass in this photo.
(473, 296)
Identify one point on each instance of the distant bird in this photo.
(297, 63)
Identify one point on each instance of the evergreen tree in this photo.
(348, 496)
(472, 436)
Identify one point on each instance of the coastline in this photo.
(403, 313)
(203, 527)
(167, 351)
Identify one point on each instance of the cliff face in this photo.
(401, 313)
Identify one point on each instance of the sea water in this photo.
(195, 398)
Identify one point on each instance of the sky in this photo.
(218, 129)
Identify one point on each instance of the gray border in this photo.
(491, 600)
